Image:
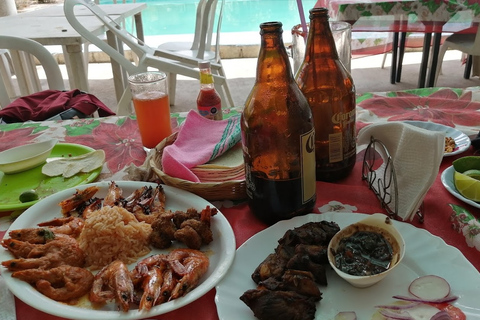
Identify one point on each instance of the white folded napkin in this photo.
(416, 153)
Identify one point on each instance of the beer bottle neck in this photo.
(320, 38)
(273, 63)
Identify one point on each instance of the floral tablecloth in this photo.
(457, 223)
(405, 15)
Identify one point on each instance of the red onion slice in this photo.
(441, 315)
(429, 287)
(395, 315)
(398, 306)
(413, 299)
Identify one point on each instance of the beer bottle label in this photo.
(335, 147)
(307, 141)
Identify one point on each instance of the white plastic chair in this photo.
(169, 62)
(468, 43)
(86, 45)
(22, 52)
(201, 47)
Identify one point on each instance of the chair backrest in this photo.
(115, 52)
(204, 21)
(22, 51)
(205, 28)
(169, 62)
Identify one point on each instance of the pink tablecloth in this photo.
(445, 216)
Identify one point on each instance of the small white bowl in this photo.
(378, 223)
(25, 157)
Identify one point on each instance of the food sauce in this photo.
(364, 253)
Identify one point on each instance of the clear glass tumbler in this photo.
(152, 106)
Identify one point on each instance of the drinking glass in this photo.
(342, 34)
(152, 106)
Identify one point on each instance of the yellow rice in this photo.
(113, 233)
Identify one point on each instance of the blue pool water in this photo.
(167, 17)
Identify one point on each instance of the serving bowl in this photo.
(25, 157)
(378, 224)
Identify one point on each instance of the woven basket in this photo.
(229, 190)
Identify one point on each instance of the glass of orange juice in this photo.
(152, 106)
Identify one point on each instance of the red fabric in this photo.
(48, 103)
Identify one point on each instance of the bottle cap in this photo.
(204, 64)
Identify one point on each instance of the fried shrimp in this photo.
(49, 230)
(113, 282)
(62, 283)
(61, 251)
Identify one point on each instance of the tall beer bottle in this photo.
(330, 91)
(277, 136)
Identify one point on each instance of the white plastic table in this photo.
(49, 26)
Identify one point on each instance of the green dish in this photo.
(12, 185)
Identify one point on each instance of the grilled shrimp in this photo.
(81, 197)
(113, 282)
(114, 195)
(62, 283)
(190, 265)
(152, 286)
(146, 203)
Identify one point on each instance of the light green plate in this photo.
(12, 185)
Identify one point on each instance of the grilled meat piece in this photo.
(318, 233)
(301, 282)
(272, 267)
(279, 305)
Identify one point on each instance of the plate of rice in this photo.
(116, 234)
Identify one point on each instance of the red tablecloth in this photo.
(445, 216)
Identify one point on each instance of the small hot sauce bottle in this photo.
(209, 103)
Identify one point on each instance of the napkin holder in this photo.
(383, 184)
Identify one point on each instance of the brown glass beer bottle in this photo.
(330, 91)
(277, 136)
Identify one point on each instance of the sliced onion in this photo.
(430, 287)
(441, 315)
(346, 315)
(399, 306)
(423, 312)
(413, 299)
(395, 315)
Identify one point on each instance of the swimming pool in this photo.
(169, 17)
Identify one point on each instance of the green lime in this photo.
(466, 163)
(28, 196)
(467, 186)
(473, 173)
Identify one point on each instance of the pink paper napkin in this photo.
(199, 140)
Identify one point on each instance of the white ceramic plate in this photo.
(449, 184)
(221, 254)
(425, 254)
(462, 141)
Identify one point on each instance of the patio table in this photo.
(49, 26)
(454, 221)
(402, 16)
